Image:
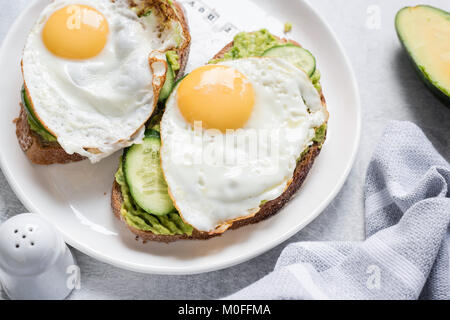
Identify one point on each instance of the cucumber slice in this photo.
(26, 105)
(152, 133)
(176, 84)
(296, 55)
(30, 113)
(168, 85)
(143, 174)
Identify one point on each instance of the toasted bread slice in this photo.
(43, 152)
(267, 210)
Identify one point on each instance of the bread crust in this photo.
(266, 211)
(37, 149)
(42, 152)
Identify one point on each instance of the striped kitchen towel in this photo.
(406, 254)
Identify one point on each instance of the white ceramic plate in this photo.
(76, 197)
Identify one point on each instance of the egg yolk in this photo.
(220, 97)
(76, 32)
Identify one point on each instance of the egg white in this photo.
(97, 106)
(210, 193)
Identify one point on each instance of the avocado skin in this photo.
(420, 70)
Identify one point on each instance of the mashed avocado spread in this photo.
(254, 44)
(245, 45)
(287, 27)
(174, 60)
(251, 45)
(320, 134)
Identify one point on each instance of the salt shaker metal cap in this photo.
(34, 259)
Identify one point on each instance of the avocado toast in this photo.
(171, 227)
(42, 147)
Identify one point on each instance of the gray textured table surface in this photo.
(389, 90)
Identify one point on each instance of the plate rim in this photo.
(157, 270)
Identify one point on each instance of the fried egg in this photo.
(93, 71)
(232, 134)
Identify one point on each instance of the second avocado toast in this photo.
(35, 136)
(160, 220)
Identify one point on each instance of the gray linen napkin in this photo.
(406, 255)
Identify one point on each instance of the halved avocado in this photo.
(424, 31)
